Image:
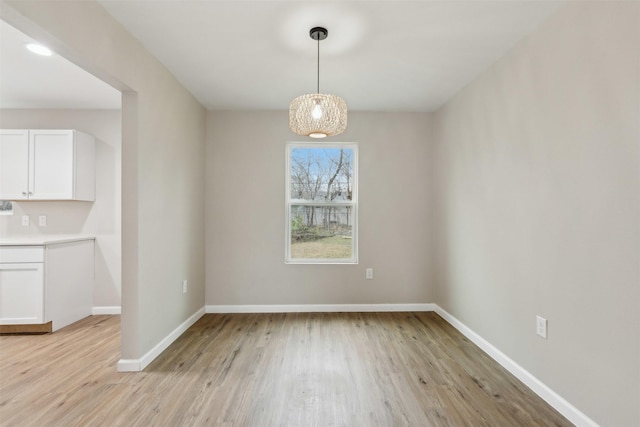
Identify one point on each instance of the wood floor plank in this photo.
(280, 369)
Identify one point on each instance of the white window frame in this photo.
(353, 203)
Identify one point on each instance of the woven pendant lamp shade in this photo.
(318, 115)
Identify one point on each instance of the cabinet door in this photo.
(21, 293)
(14, 164)
(51, 164)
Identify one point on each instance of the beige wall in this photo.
(245, 213)
(162, 165)
(100, 218)
(538, 178)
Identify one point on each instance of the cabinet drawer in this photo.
(18, 254)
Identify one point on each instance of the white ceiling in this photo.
(388, 55)
(32, 81)
(379, 56)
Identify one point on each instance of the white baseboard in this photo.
(115, 309)
(572, 413)
(129, 365)
(317, 308)
(135, 365)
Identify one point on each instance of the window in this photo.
(321, 199)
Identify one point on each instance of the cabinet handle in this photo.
(30, 193)
(24, 193)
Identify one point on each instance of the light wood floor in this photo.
(338, 369)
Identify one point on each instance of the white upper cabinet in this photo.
(47, 165)
(14, 164)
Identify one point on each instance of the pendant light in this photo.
(318, 114)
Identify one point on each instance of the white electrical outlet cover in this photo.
(541, 326)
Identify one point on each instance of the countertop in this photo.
(43, 240)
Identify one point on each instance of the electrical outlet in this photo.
(25, 220)
(185, 286)
(369, 273)
(42, 220)
(541, 326)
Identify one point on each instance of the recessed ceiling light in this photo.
(39, 49)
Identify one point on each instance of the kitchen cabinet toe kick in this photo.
(39, 328)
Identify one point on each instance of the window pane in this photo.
(321, 174)
(321, 232)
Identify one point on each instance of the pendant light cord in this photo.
(318, 81)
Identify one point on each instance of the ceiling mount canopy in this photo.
(318, 33)
(318, 114)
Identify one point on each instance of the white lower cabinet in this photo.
(21, 293)
(47, 283)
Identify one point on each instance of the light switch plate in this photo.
(25, 220)
(42, 220)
